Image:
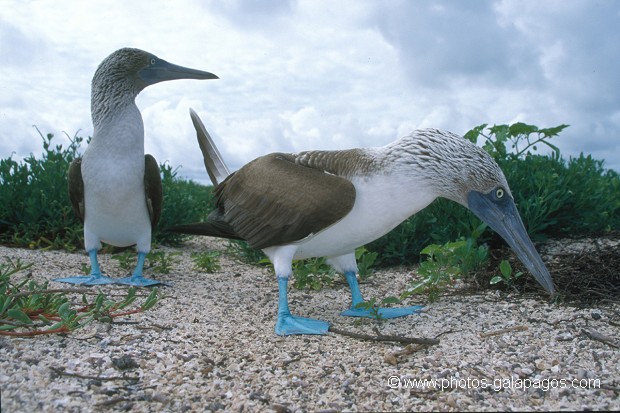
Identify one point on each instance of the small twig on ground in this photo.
(33, 333)
(595, 335)
(383, 337)
(503, 331)
(55, 290)
(446, 332)
(61, 372)
(112, 402)
(154, 327)
(392, 358)
(293, 360)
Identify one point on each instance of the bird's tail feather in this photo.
(211, 229)
(216, 167)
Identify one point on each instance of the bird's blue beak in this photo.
(160, 71)
(497, 209)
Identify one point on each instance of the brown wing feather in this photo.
(273, 201)
(152, 189)
(75, 186)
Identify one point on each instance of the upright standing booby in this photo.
(328, 203)
(115, 189)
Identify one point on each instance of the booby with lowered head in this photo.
(328, 203)
(115, 189)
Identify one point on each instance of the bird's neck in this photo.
(111, 99)
(121, 131)
(423, 162)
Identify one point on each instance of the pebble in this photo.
(219, 352)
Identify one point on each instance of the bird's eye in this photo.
(499, 193)
(152, 61)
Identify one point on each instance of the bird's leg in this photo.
(356, 299)
(95, 277)
(136, 279)
(287, 323)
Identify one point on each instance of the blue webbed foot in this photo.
(95, 277)
(92, 279)
(288, 324)
(139, 281)
(136, 279)
(382, 312)
(356, 298)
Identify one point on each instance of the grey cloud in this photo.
(253, 14)
(17, 48)
(441, 40)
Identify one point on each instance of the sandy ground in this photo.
(210, 345)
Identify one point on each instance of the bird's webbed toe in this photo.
(382, 312)
(289, 324)
(87, 280)
(139, 281)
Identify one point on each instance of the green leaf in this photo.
(5, 303)
(553, 131)
(57, 325)
(18, 315)
(430, 250)
(65, 312)
(521, 128)
(44, 319)
(496, 279)
(150, 301)
(390, 300)
(472, 135)
(365, 305)
(505, 269)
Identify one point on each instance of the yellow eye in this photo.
(499, 193)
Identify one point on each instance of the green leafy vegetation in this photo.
(365, 261)
(446, 263)
(184, 201)
(315, 273)
(35, 211)
(242, 252)
(506, 276)
(207, 261)
(555, 197)
(373, 305)
(29, 308)
(312, 273)
(159, 261)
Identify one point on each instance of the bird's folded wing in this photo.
(153, 189)
(76, 187)
(274, 201)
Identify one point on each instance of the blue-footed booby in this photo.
(328, 203)
(115, 189)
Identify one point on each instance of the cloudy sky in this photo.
(313, 74)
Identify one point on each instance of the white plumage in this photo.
(115, 189)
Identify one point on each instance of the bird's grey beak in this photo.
(160, 71)
(500, 213)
